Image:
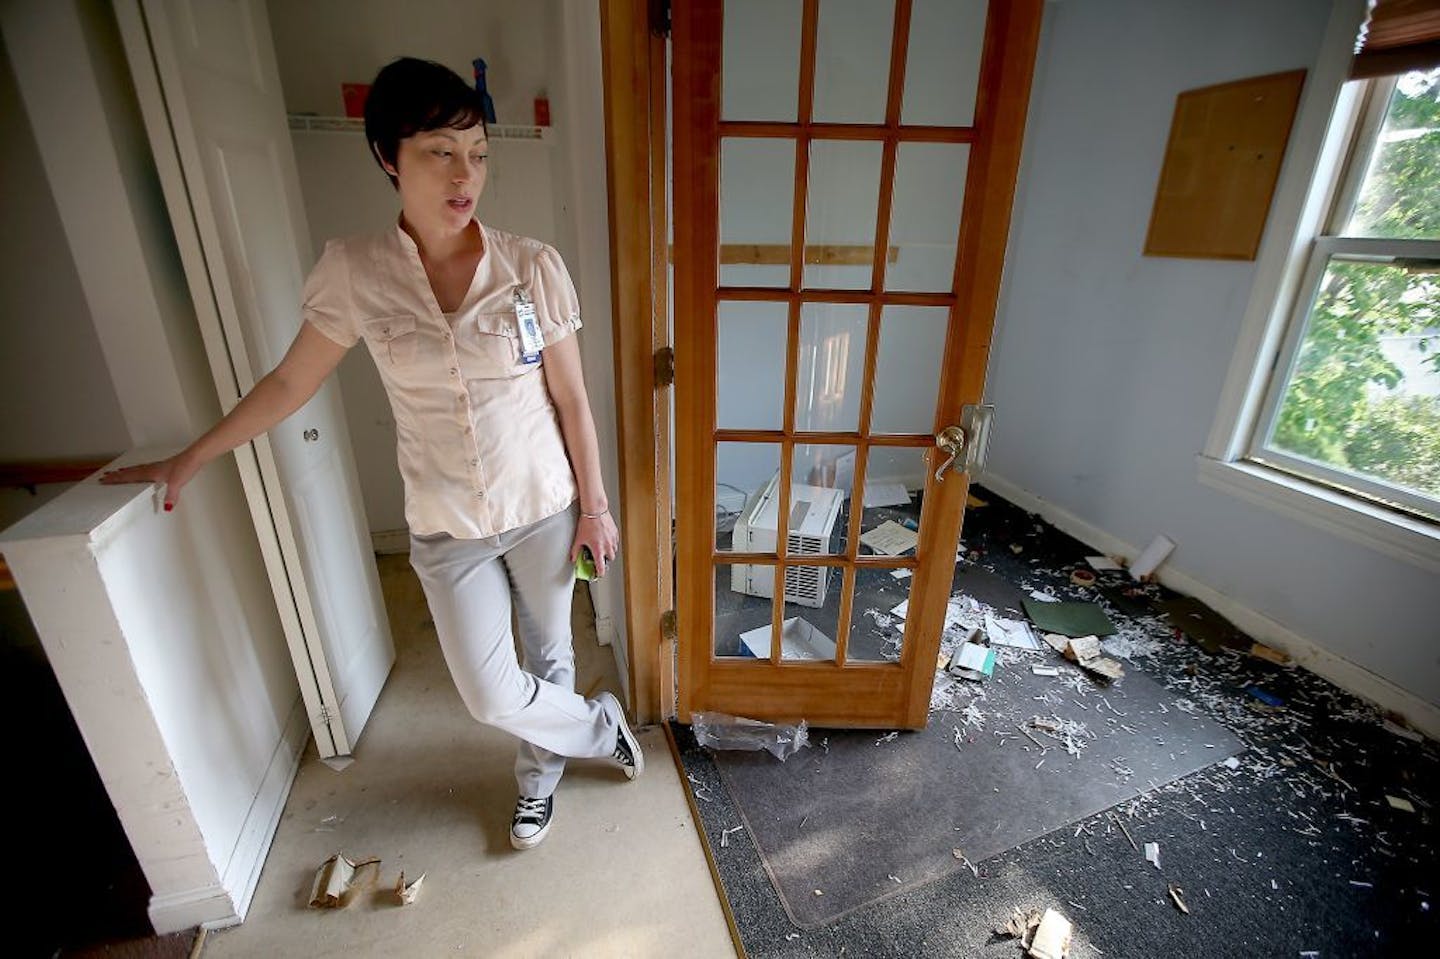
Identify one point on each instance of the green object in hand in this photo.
(585, 565)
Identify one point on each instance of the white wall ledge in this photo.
(172, 663)
(1396, 535)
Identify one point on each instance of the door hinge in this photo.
(665, 367)
(669, 627)
(660, 17)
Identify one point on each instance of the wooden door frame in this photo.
(635, 116)
(634, 91)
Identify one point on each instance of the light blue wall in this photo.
(1108, 366)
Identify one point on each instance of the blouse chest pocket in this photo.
(393, 339)
(494, 339)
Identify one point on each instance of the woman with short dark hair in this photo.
(470, 328)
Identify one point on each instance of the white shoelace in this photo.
(530, 810)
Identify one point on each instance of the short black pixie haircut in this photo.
(410, 96)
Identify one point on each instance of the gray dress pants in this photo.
(470, 585)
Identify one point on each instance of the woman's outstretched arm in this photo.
(282, 391)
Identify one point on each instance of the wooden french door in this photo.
(843, 177)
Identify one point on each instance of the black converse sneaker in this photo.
(627, 754)
(531, 822)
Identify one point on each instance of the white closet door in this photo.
(210, 91)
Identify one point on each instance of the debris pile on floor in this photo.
(1043, 936)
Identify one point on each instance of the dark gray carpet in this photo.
(1297, 850)
(864, 817)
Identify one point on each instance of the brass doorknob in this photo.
(950, 441)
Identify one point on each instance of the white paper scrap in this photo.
(901, 609)
(1045, 670)
(886, 494)
(1150, 560)
(1099, 563)
(1010, 632)
(1152, 854)
(900, 573)
(1040, 597)
(976, 657)
(890, 538)
(1404, 805)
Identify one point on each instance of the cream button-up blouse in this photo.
(477, 435)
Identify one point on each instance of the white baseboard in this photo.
(226, 903)
(1351, 677)
(391, 541)
(209, 906)
(242, 873)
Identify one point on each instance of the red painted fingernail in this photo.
(169, 507)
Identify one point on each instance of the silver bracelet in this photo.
(594, 515)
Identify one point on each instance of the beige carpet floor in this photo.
(622, 872)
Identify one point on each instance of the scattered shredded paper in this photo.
(1175, 892)
(1404, 805)
(1152, 854)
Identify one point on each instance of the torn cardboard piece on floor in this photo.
(1052, 939)
(405, 892)
(338, 879)
(1084, 651)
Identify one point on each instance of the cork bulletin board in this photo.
(1221, 164)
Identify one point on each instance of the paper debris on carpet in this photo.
(1044, 670)
(1084, 651)
(799, 639)
(973, 661)
(337, 880)
(1040, 597)
(1152, 854)
(890, 538)
(900, 574)
(406, 892)
(1175, 892)
(886, 494)
(1052, 938)
(1102, 563)
(901, 609)
(1010, 632)
(1019, 924)
(1151, 557)
(1404, 805)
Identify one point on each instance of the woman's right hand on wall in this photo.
(173, 473)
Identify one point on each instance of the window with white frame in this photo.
(1354, 399)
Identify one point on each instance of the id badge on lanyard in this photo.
(531, 343)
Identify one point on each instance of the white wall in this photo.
(1107, 365)
(219, 688)
(53, 377)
